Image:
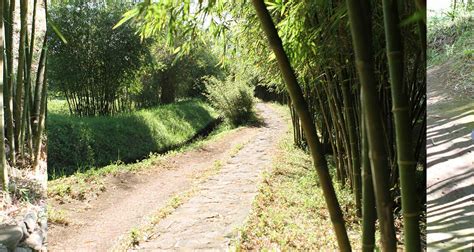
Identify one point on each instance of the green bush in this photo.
(82, 143)
(231, 97)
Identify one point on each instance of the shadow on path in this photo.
(450, 163)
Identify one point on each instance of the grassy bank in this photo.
(290, 213)
(82, 143)
(451, 45)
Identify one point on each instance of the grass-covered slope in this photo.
(451, 46)
(81, 143)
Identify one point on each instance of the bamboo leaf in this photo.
(57, 31)
(126, 17)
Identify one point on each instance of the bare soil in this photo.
(450, 162)
(222, 202)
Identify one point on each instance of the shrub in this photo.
(82, 143)
(231, 97)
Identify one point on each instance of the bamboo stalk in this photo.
(361, 31)
(405, 158)
(369, 215)
(42, 76)
(351, 128)
(17, 111)
(3, 160)
(9, 10)
(296, 95)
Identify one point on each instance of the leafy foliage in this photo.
(173, 76)
(112, 70)
(101, 62)
(232, 97)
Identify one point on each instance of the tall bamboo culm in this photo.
(9, 11)
(309, 129)
(369, 216)
(361, 31)
(405, 159)
(3, 158)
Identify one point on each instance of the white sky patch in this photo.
(438, 5)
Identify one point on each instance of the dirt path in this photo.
(221, 203)
(450, 160)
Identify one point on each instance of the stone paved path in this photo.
(450, 163)
(208, 221)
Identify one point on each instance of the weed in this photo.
(57, 216)
(236, 149)
(134, 237)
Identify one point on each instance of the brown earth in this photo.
(450, 162)
(220, 204)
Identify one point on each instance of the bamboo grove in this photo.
(366, 113)
(355, 75)
(23, 84)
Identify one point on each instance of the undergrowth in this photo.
(79, 144)
(450, 34)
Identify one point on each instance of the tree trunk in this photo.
(308, 126)
(167, 90)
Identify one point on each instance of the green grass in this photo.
(79, 144)
(58, 106)
(289, 212)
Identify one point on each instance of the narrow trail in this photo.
(205, 221)
(450, 163)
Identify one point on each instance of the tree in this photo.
(104, 61)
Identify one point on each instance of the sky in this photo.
(438, 5)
